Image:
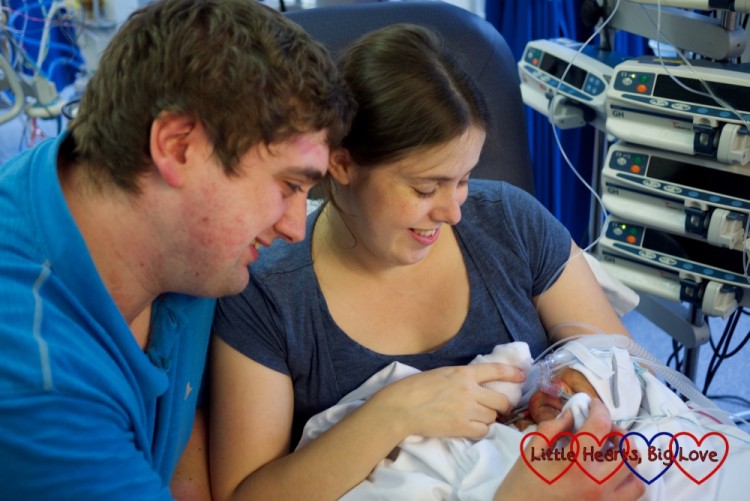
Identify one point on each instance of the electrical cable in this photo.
(721, 349)
(741, 400)
(70, 108)
(676, 347)
(713, 362)
(710, 93)
(660, 36)
(564, 155)
(739, 346)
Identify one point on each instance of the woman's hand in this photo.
(448, 401)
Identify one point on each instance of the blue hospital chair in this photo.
(478, 48)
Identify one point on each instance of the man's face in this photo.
(225, 219)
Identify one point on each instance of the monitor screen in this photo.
(693, 250)
(556, 67)
(736, 96)
(699, 177)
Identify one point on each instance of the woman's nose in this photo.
(449, 210)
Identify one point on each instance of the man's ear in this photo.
(340, 166)
(170, 137)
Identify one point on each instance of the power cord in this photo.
(721, 350)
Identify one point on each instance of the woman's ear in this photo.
(169, 140)
(340, 166)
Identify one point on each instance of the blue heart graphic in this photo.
(648, 443)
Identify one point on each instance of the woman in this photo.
(406, 263)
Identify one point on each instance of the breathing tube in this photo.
(558, 356)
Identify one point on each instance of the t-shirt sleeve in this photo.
(545, 239)
(251, 323)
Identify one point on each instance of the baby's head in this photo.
(608, 375)
(544, 406)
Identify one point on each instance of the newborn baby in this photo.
(572, 376)
(543, 405)
(423, 468)
(576, 392)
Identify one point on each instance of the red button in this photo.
(641, 88)
(635, 169)
(631, 239)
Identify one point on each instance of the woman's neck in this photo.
(335, 244)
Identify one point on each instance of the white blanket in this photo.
(461, 469)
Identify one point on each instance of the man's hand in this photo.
(521, 481)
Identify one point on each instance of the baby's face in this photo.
(543, 407)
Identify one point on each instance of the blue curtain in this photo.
(557, 186)
(63, 61)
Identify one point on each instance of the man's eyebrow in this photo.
(310, 173)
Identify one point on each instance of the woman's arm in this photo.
(251, 421)
(576, 304)
(190, 481)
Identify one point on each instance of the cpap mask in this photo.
(616, 366)
(610, 370)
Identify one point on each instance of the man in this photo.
(195, 143)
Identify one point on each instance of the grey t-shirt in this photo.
(512, 247)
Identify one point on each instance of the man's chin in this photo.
(237, 287)
(230, 286)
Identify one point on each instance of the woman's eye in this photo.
(425, 194)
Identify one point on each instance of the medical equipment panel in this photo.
(674, 266)
(685, 195)
(564, 84)
(667, 104)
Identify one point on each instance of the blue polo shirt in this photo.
(85, 413)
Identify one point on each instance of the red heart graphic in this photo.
(550, 443)
(614, 451)
(698, 456)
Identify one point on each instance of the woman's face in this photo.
(543, 407)
(397, 211)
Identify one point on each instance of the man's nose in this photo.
(291, 224)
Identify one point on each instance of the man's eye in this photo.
(293, 188)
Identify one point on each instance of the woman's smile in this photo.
(425, 237)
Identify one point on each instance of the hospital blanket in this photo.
(462, 469)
